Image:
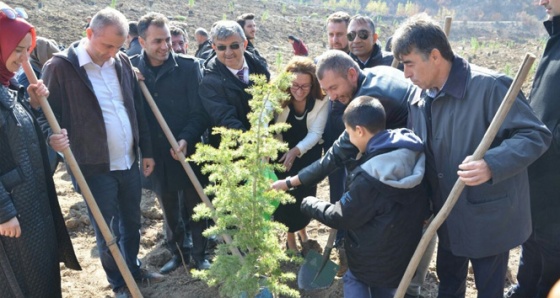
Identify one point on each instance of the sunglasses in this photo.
(296, 87)
(362, 34)
(233, 46)
(12, 13)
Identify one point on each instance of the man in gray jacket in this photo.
(451, 110)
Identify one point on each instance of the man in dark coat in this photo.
(203, 40)
(173, 82)
(539, 267)
(226, 76)
(364, 48)
(247, 22)
(450, 111)
(134, 47)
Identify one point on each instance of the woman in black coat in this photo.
(33, 237)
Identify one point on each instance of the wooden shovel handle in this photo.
(86, 192)
(183, 161)
(460, 185)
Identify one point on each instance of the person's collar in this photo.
(245, 66)
(456, 83)
(361, 79)
(552, 26)
(169, 63)
(84, 57)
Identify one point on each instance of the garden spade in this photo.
(317, 272)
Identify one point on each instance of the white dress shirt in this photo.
(107, 89)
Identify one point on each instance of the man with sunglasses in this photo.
(364, 48)
(173, 81)
(226, 76)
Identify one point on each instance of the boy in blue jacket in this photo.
(385, 205)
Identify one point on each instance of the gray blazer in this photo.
(493, 217)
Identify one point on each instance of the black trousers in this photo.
(174, 204)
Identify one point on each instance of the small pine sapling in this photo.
(243, 198)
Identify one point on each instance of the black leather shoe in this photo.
(147, 277)
(171, 265)
(202, 264)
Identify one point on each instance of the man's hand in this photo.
(10, 228)
(289, 157)
(279, 185)
(283, 185)
(138, 73)
(474, 173)
(59, 141)
(148, 165)
(182, 148)
(36, 91)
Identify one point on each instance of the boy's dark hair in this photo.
(244, 17)
(367, 112)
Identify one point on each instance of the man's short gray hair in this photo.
(109, 17)
(336, 61)
(224, 29)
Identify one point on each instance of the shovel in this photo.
(317, 272)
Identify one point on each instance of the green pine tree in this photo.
(244, 201)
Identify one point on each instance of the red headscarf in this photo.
(11, 33)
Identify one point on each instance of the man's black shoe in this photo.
(172, 264)
(147, 277)
(202, 264)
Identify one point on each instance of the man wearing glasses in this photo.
(226, 76)
(364, 48)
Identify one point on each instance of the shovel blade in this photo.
(309, 280)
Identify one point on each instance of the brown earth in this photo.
(486, 44)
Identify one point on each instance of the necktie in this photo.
(240, 75)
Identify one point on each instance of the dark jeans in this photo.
(539, 265)
(489, 274)
(336, 190)
(356, 289)
(118, 195)
(173, 205)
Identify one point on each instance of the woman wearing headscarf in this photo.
(33, 237)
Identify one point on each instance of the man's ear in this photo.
(352, 75)
(435, 55)
(375, 37)
(142, 42)
(245, 43)
(89, 32)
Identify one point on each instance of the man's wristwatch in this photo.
(288, 183)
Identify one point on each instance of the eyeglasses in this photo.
(296, 87)
(12, 13)
(362, 34)
(233, 46)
